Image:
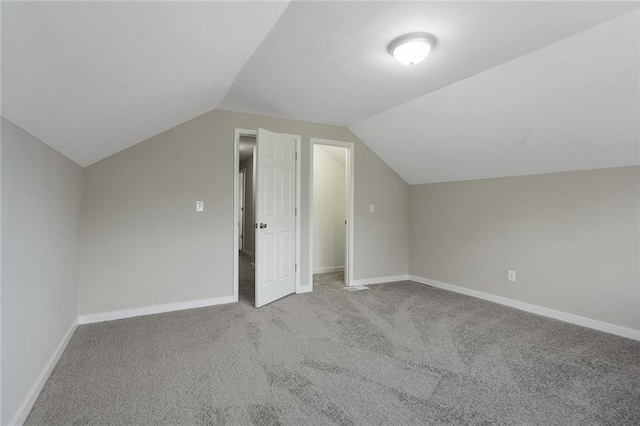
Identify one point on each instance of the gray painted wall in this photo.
(143, 244)
(249, 223)
(41, 193)
(572, 239)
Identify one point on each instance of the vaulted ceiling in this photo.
(510, 88)
(93, 78)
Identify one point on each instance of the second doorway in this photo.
(330, 207)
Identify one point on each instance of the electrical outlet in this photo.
(511, 276)
(372, 208)
(199, 206)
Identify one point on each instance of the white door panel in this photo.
(275, 216)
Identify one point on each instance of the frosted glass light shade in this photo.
(412, 48)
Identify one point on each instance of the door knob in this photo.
(263, 225)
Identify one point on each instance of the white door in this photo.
(275, 216)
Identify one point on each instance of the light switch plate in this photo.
(199, 206)
(372, 208)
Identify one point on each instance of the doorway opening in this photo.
(331, 248)
(266, 216)
(244, 264)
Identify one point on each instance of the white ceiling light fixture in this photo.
(412, 48)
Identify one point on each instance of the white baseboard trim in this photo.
(328, 269)
(535, 309)
(157, 309)
(27, 404)
(380, 280)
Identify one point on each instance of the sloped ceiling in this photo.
(328, 61)
(511, 88)
(570, 106)
(93, 78)
(337, 153)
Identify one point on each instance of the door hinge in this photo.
(296, 155)
(296, 266)
(296, 210)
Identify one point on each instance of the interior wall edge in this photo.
(606, 327)
(27, 404)
(41, 210)
(635, 163)
(389, 168)
(43, 142)
(380, 280)
(328, 269)
(155, 309)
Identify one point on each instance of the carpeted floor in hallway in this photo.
(399, 353)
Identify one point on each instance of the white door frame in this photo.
(348, 266)
(236, 161)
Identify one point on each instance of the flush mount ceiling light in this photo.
(412, 48)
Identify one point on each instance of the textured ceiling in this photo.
(510, 88)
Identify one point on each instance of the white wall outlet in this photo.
(199, 206)
(511, 276)
(372, 208)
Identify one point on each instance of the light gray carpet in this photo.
(333, 279)
(395, 354)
